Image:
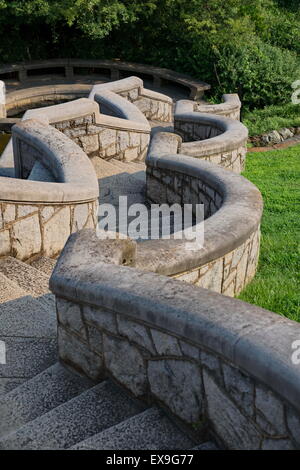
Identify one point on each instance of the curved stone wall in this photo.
(155, 106)
(68, 69)
(233, 209)
(37, 217)
(99, 135)
(220, 140)
(230, 108)
(216, 363)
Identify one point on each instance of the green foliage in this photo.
(276, 285)
(271, 118)
(251, 46)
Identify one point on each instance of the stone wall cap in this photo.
(255, 340)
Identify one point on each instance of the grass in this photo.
(276, 285)
(272, 118)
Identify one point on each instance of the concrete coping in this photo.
(256, 341)
(232, 224)
(72, 169)
(77, 109)
(233, 134)
(231, 102)
(64, 111)
(120, 107)
(117, 86)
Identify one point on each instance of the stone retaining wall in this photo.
(210, 137)
(218, 364)
(228, 274)
(232, 209)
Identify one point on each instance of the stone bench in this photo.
(109, 69)
(221, 140)
(37, 217)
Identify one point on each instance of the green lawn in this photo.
(276, 285)
(272, 118)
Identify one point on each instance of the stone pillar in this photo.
(2, 100)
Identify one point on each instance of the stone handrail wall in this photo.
(113, 68)
(230, 108)
(155, 106)
(19, 101)
(220, 140)
(36, 218)
(97, 134)
(216, 363)
(233, 209)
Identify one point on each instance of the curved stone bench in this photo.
(67, 69)
(37, 217)
(216, 363)
(97, 134)
(155, 106)
(18, 101)
(112, 104)
(220, 140)
(230, 108)
(233, 210)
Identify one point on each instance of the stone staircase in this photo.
(44, 405)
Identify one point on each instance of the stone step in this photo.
(150, 430)
(34, 282)
(106, 168)
(44, 265)
(28, 331)
(89, 413)
(26, 357)
(7, 385)
(26, 276)
(39, 395)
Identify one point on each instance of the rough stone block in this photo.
(234, 429)
(8, 213)
(78, 355)
(293, 423)
(26, 237)
(178, 384)
(69, 315)
(89, 143)
(56, 232)
(101, 319)
(240, 388)
(81, 212)
(4, 243)
(190, 351)
(24, 210)
(107, 138)
(269, 412)
(135, 332)
(166, 345)
(126, 364)
(95, 339)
